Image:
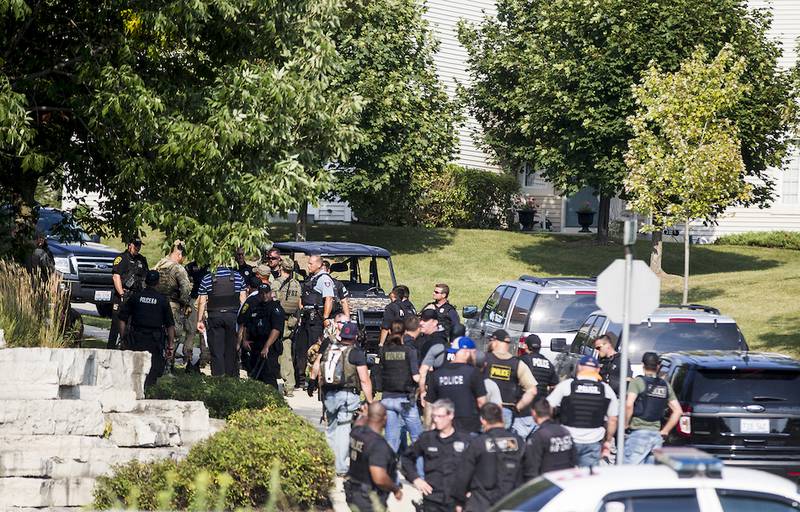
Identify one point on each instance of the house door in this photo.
(578, 201)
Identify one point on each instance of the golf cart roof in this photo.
(333, 249)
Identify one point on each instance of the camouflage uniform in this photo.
(174, 283)
(287, 291)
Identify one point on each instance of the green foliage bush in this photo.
(463, 197)
(232, 469)
(135, 485)
(222, 395)
(776, 239)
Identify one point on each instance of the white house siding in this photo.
(451, 64)
(784, 212)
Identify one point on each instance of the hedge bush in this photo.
(463, 197)
(775, 239)
(223, 396)
(234, 465)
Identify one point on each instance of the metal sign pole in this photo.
(629, 239)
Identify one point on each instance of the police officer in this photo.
(244, 268)
(441, 451)
(550, 447)
(174, 284)
(649, 396)
(397, 310)
(196, 274)
(397, 374)
(341, 304)
(585, 403)
(316, 297)
(221, 292)
(492, 465)
(253, 283)
(343, 376)
(448, 315)
(610, 361)
(128, 275)
(546, 378)
(149, 315)
(514, 378)
(460, 382)
(431, 345)
(263, 327)
(373, 465)
(286, 290)
(273, 259)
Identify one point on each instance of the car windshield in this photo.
(560, 313)
(746, 386)
(530, 498)
(60, 226)
(672, 337)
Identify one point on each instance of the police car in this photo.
(684, 479)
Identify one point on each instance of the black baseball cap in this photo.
(533, 341)
(650, 360)
(349, 331)
(264, 287)
(135, 240)
(501, 335)
(429, 314)
(254, 282)
(151, 277)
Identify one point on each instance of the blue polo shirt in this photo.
(221, 272)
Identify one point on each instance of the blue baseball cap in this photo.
(462, 342)
(349, 331)
(589, 361)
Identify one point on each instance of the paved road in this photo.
(310, 408)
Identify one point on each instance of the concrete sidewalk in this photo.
(310, 408)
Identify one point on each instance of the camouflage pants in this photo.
(186, 333)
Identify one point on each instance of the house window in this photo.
(790, 186)
(533, 179)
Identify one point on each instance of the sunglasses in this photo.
(439, 292)
(273, 258)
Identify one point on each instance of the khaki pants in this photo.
(287, 367)
(190, 336)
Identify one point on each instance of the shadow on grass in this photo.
(397, 240)
(582, 256)
(697, 295)
(782, 337)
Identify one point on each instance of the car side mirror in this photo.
(469, 311)
(558, 344)
(95, 238)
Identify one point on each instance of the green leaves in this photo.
(685, 157)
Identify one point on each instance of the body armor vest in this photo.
(651, 404)
(586, 405)
(504, 373)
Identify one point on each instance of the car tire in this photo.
(104, 310)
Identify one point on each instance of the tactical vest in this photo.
(167, 283)
(396, 369)
(259, 321)
(336, 370)
(501, 473)
(504, 373)
(652, 402)
(443, 313)
(586, 405)
(430, 341)
(338, 297)
(406, 309)
(362, 440)
(284, 295)
(133, 278)
(541, 370)
(223, 296)
(309, 296)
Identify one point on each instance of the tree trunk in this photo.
(686, 264)
(603, 217)
(657, 252)
(23, 201)
(300, 225)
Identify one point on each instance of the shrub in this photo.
(251, 444)
(232, 469)
(221, 395)
(33, 308)
(462, 197)
(136, 485)
(776, 239)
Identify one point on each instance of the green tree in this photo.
(552, 83)
(685, 157)
(195, 118)
(407, 119)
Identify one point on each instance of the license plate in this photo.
(748, 426)
(102, 295)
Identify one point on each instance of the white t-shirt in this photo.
(493, 392)
(584, 435)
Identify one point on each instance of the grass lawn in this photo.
(758, 287)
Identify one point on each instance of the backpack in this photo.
(407, 309)
(336, 371)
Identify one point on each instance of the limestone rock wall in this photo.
(68, 415)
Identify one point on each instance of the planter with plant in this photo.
(585, 217)
(525, 207)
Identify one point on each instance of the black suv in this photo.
(742, 407)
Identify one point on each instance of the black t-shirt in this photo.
(147, 309)
(391, 314)
(357, 357)
(246, 271)
(196, 274)
(609, 371)
(463, 384)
